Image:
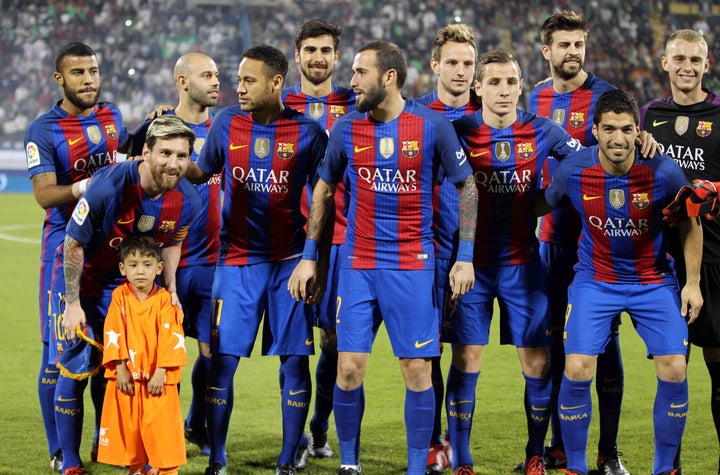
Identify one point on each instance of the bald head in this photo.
(196, 78)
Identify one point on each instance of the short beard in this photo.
(371, 100)
(565, 75)
(74, 99)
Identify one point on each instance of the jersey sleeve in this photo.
(39, 149)
(171, 351)
(115, 337)
(90, 210)
(138, 138)
(556, 192)
(453, 161)
(212, 156)
(562, 143)
(333, 165)
(317, 154)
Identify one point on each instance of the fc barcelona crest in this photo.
(285, 150)
(681, 124)
(617, 198)
(110, 131)
(166, 226)
(262, 147)
(337, 111)
(316, 110)
(577, 119)
(558, 116)
(704, 128)
(145, 223)
(387, 147)
(640, 200)
(93, 133)
(502, 151)
(410, 148)
(525, 150)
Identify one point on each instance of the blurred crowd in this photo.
(138, 41)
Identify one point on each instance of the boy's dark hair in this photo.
(565, 20)
(617, 101)
(143, 245)
(317, 27)
(76, 48)
(274, 59)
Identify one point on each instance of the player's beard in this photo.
(314, 78)
(74, 98)
(201, 97)
(567, 74)
(371, 98)
(164, 181)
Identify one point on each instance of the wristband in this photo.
(82, 186)
(310, 250)
(465, 251)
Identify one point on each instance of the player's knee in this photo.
(579, 368)
(672, 368)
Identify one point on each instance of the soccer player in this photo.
(569, 99)
(390, 149)
(136, 197)
(453, 60)
(143, 353)
(196, 80)
(623, 266)
(317, 45)
(507, 148)
(64, 147)
(269, 153)
(683, 126)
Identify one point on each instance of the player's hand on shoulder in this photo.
(647, 143)
(160, 110)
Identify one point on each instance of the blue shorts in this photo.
(325, 312)
(242, 295)
(45, 289)
(194, 289)
(404, 300)
(521, 291)
(654, 310)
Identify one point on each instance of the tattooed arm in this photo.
(462, 274)
(74, 257)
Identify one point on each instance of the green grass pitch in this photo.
(498, 437)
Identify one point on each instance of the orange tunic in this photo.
(143, 428)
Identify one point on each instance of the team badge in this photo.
(285, 150)
(558, 116)
(262, 147)
(337, 111)
(110, 131)
(32, 154)
(198, 145)
(387, 147)
(577, 119)
(93, 133)
(640, 200)
(316, 110)
(681, 124)
(81, 211)
(525, 150)
(410, 148)
(704, 128)
(502, 151)
(145, 223)
(166, 226)
(617, 198)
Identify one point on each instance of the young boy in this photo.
(143, 352)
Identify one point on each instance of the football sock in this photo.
(325, 375)
(199, 378)
(557, 366)
(47, 380)
(575, 410)
(419, 416)
(609, 385)
(349, 407)
(439, 389)
(538, 397)
(460, 406)
(714, 370)
(295, 401)
(669, 417)
(98, 383)
(219, 402)
(69, 418)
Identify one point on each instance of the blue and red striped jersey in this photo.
(325, 110)
(73, 147)
(445, 195)
(265, 168)
(391, 168)
(623, 237)
(507, 165)
(203, 241)
(115, 207)
(573, 111)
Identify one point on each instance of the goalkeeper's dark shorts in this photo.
(705, 330)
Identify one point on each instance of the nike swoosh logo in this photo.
(216, 389)
(62, 399)
(362, 149)
(295, 393)
(477, 154)
(685, 343)
(236, 147)
(612, 380)
(308, 342)
(424, 343)
(49, 371)
(463, 401)
(74, 141)
(678, 406)
(589, 198)
(120, 221)
(571, 408)
(659, 122)
(533, 408)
